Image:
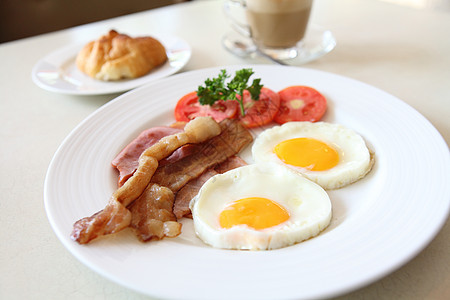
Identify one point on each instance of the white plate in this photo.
(378, 224)
(58, 73)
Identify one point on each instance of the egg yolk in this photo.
(255, 212)
(307, 153)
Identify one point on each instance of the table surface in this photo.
(401, 50)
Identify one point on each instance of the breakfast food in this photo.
(329, 154)
(188, 107)
(256, 113)
(300, 103)
(142, 200)
(259, 207)
(152, 217)
(127, 161)
(253, 105)
(191, 169)
(262, 111)
(116, 216)
(117, 56)
(153, 210)
(232, 139)
(190, 190)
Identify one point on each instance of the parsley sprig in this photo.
(216, 89)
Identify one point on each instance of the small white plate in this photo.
(58, 73)
(379, 223)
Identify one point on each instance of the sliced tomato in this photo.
(189, 108)
(300, 103)
(262, 111)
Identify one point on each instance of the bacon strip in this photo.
(190, 190)
(127, 161)
(152, 216)
(232, 139)
(116, 216)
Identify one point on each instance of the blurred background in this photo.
(25, 18)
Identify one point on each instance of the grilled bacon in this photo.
(145, 200)
(152, 216)
(190, 190)
(106, 221)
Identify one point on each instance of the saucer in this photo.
(317, 42)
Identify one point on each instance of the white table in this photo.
(403, 51)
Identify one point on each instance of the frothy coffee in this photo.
(278, 23)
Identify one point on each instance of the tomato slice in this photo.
(189, 108)
(300, 103)
(262, 111)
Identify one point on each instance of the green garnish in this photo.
(216, 89)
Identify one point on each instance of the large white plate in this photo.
(378, 224)
(58, 73)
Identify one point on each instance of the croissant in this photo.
(117, 56)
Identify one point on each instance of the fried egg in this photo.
(331, 155)
(259, 207)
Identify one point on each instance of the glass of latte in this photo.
(277, 27)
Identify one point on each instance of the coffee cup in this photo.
(277, 27)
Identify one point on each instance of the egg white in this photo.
(355, 159)
(308, 205)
